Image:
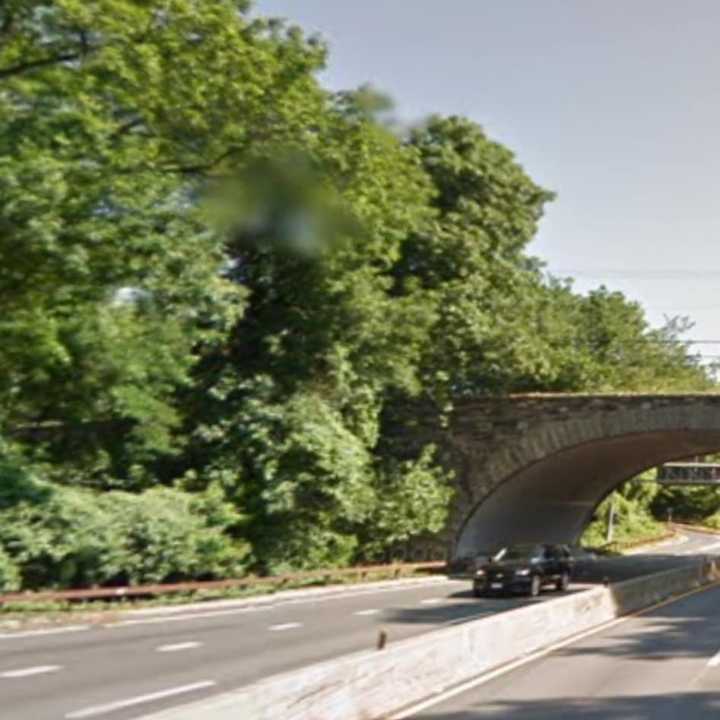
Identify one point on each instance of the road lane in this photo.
(109, 666)
(661, 665)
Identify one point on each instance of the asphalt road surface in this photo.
(142, 663)
(662, 665)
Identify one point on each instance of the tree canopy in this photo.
(221, 280)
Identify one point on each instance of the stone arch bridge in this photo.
(534, 467)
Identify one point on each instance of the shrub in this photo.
(632, 522)
(62, 539)
(164, 537)
(58, 536)
(713, 521)
(9, 573)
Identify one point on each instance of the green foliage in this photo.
(412, 497)
(609, 345)
(9, 573)
(686, 503)
(226, 291)
(712, 521)
(633, 519)
(164, 535)
(470, 262)
(59, 537)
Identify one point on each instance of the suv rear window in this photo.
(520, 552)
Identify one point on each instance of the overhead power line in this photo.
(659, 274)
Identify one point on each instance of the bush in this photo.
(9, 574)
(633, 520)
(686, 503)
(712, 522)
(68, 537)
(61, 538)
(164, 538)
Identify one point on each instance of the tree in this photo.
(220, 277)
(114, 113)
(472, 261)
(287, 407)
(608, 345)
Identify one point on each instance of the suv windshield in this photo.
(519, 552)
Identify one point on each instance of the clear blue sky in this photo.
(613, 104)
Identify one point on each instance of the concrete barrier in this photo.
(372, 685)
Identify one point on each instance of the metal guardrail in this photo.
(117, 593)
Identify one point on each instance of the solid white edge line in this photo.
(26, 672)
(120, 704)
(37, 633)
(284, 626)
(174, 618)
(275, 600)
(176, 647)
(487, 677)
(261, 608)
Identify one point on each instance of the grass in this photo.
(629, 538)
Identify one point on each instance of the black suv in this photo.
(524, 568)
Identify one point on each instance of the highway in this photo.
(661, 665)
(143, 661)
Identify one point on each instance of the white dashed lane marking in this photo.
(37, 633)
(284, 626)
(138, 700)
(27, 672)
(183, 618)
(178, 646)
(431, 601)
(371, 611)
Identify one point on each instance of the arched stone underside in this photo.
(534, 468)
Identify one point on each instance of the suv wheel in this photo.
(563, 582)
(535, 586)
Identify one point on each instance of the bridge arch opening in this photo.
(550, 495)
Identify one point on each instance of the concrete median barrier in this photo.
(374, 684)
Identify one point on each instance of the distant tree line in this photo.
(222, 285)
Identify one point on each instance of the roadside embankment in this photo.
(638, 543)
(696, 528)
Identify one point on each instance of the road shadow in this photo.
(618, 569)
(673, 631)
(467, 608)
(463, 606)
(687, 706)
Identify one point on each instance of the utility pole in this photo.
(611, 519)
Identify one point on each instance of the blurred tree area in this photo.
(626, 514)
(224, 286)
